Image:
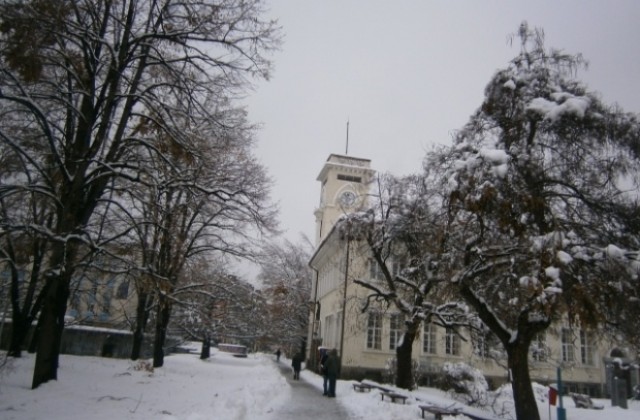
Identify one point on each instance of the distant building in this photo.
(102, 299)
(367, 341)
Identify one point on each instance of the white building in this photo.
(367, 341)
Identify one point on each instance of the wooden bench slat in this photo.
(584, 401)
(438, 412)
(393, 396)
(362, 387)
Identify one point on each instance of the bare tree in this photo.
(210, 200)
(403, 233)
(89, 78)
(286, 278)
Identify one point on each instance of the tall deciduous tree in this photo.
(208, 200)
(541, 188)
(88, 78)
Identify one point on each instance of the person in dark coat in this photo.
(278, 355)
(296, 363)
(324, 356)
(333, 371)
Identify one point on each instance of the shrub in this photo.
(466, 384)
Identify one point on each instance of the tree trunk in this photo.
(22, 317)
(19, 329)
(162, 320)
(49, 330)
(523, 397)
(404, 373)
(19, 323)
(206, 347)
(142, 315)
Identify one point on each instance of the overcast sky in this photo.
(406, 74)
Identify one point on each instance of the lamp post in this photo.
(344, 300)
(562, 413)
(315, 307)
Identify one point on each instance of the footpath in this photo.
(307, 401)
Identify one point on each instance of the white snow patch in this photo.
(222, 387)
(510, 84)
(564, 257)
(552, 273)
(572, 105)
(552, 290)
(527, 281)
(495, 156)
(500, 171)
(614, 252)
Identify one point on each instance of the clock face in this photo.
(347, 199)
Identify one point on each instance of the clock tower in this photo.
(345, 184)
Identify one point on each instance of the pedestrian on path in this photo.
(278, 355)
(333, 371)
(324, 356)
(296, 363)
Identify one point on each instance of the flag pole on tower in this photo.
(346, 150)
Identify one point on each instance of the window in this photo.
(374, 331)
(567, 346)
(539, 351)
(349, 178)
(452, 343)
(337, 331)
(586, 348)
(481, 346)
(92, 300)
(375, 272)
(396, 268)
(395, 330)
(122, 292)
(429, 339)
(74, 303)
(329, 331)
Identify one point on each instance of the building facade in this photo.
(366, 340)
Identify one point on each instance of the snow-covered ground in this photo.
(222, 387)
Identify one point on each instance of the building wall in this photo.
(94, 341)
(359, 361)
(102, 299)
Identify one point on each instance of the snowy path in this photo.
(307, 401)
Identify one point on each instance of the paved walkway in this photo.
(308, 402)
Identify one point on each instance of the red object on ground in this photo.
(553, 395)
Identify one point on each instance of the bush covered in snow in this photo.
(466, 384)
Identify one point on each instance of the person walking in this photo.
(333, 371)
(278, 355)
(296, 363)
(324, 356)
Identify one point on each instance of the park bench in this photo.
(393, 396)
(438, 412)
(360, 387)
(584, 401)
